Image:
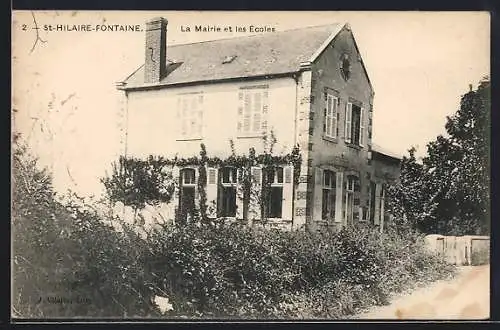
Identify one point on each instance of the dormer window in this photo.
(228, 59)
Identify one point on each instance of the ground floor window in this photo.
(349, 200)
(187, 194)
(228, 202)
(328, 196)
(227, 192)
(273, 177)
(275, 202)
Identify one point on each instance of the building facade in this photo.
(305, 87)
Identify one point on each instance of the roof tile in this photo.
(256, 55)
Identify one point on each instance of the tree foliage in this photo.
(449, 192)
(137, 183)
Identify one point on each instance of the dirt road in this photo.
(467, 296)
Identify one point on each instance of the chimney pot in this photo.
(156, 49)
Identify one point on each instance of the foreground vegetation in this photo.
(69, 262)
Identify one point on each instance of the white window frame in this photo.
(230, 184)
(331, 187)
(349, 191)
(349, 129)
(330, 116)
(277, 184)
(190, 116)
(183, 178)
(183, 184)
(255, 113)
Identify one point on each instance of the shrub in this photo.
(207, 271)
(236, 271)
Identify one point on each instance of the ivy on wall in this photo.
(136, 182)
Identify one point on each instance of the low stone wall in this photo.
(461, 250)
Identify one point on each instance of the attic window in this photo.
(228, 59)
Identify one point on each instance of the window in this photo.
(227, 192)
(252, 111)
(274, 180)
(330, 116)
(328, 197)
(190, 114)
(349, 200)
(354, 125)
(187, 194)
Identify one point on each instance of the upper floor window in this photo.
(330, 127)
(252, 111)
(190, 114)
(354, 125)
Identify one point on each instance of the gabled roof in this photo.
(268, 54)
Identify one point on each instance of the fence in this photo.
(461, 250)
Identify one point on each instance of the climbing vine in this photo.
(136, 182)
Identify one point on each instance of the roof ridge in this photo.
(257, 34)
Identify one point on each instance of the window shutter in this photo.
(334, 116)
(265, 110)
(348, 120)
(376, 218)
(357, 212)
(361, 127)
(212, 192)
(338, 196)
(178, 118)
(257, 112)
(256, 193)
(318, 194)
(247, 113)
(185, 119)
(239, 196)
(328, 119)
(325, 119)
(196, 190)
(287, 204)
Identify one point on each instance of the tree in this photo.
(136, 182)
(449, 192)
(41, 254)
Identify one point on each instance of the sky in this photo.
(66, 105)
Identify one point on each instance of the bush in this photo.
(235, 271)
(66, 251)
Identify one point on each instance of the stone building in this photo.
(308, 86)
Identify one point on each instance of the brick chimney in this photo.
(156, 50)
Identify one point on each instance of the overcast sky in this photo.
(420, 63)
